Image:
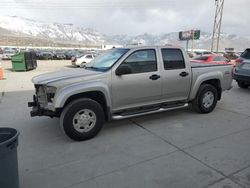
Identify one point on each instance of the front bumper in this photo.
(38, 111)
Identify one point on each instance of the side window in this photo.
(223, 58)
(172, 59)
(142, 61)
(217, 59)
(89, 56)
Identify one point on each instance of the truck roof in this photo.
(153, 46)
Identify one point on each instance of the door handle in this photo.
(183, 74)
(154, 77)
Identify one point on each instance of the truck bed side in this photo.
(205, 73)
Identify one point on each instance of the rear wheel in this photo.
(242, 84)
(82, 119)
(206, 99)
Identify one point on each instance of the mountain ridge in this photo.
(18, 27)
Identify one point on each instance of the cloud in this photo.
(134, 16)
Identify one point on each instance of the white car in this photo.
(7, 54)
(82, 60)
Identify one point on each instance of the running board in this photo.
(118, 117)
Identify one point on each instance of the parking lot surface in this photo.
(173, 149)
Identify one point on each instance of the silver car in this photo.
(242, 70)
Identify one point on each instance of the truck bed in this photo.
(224, 70)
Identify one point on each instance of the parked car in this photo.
(59, 55)
(217, 59)
(191, 54)
(45, 55)
(127, 82)
(72, 53)
(242, 70)
(196, 53)
(231, 55)
(7, 54)
(82, 60)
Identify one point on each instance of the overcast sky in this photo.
(134, 16)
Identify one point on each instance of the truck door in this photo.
(176, 76)
(141, 85)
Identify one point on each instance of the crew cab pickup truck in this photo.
(124, 83)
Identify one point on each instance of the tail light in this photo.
(73, 59)
(238, 61)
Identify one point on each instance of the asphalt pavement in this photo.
(176, 149)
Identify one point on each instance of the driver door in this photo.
(140, 87)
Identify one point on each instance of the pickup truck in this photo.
(124, 83)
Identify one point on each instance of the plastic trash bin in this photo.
(8, 158)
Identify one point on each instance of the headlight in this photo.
(50, 89)
(50, 92)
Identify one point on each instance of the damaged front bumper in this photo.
(38, 111)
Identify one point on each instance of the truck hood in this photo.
(67, 76)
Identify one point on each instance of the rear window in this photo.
(201, 58)
(246, 54)
(172, 59)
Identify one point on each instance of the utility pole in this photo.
(217, 25)
(193, 40)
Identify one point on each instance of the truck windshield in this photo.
(107, 59)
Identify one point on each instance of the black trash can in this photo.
(8, 158)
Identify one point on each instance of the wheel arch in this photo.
(96, 95)
(217, 84)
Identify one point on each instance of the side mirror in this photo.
(123, 69)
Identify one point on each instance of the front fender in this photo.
(203, 78)
(63, 94)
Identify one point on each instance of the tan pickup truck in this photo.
(124, 83)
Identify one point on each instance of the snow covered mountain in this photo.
(226, 40)
(44, 33)
(57, 31)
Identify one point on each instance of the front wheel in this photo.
(206, 99)
(82, 119)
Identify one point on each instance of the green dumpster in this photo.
(23, 61)
(18, 62)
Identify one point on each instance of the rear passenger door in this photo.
(176, 77)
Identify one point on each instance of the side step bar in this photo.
(118, 117)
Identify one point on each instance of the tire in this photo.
(82, 64)
(206, 99)
(76, 126)
(242, 84)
